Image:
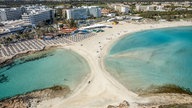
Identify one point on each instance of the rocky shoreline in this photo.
(31, 99)
(125, 104)
(7, 61)
(162, 96)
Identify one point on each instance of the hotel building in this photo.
(37, 14)
(121, 8)
(83, 12)
(10, 14)
(149, 8)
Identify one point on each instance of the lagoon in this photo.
(41, 70)
(153, 57)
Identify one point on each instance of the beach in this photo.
(100, 89)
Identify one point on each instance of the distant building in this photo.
(160, 8)
(180, 9)
(83, 12)
(3, 16)
(149, 8)
(105, 12)
(145, 8)
(121, 8)
(37, 14)
(77, 13)
(94, 11)
(189, 9)
(64, 14)
(182, 4)
(125, 9)
(10, 14)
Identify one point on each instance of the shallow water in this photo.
(42, 70)
(153, 57)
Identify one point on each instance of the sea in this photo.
(42, 70)
(152, 57)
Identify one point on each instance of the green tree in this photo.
(168, 18)
(25, 35)
(8, 40)
(70, 23)
(1, 40)
(18, 37)
(13, 37)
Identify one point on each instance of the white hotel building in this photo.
(125, 9)
(37, 14)
(77, 13)
(83, 12)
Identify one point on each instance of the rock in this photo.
(124, 104)
(111, 106)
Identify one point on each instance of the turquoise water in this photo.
(55, 67)
(153, 57)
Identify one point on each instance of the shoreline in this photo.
(29, 98)
(112, 42)
(9, 60)
(100, 89)
(35, 55)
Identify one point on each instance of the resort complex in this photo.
(87, 54)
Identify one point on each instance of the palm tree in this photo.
(18, 37)
(70, 23)
(4, 39)
(50, 29)
(56, 23)
(13, 37)
(8, 40)
(39, 32)
(25, 35)
(1, 40)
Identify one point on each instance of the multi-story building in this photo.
(145, 8)
(105, 11)
(10, 14)
(77, 13)
(3, 16)
(121, 8)
(149, 8)
(182, 4)
(125, 9)
(83, 12)
(36, 17)
(37, 14)
(94, 11)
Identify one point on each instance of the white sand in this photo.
(103, 89)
